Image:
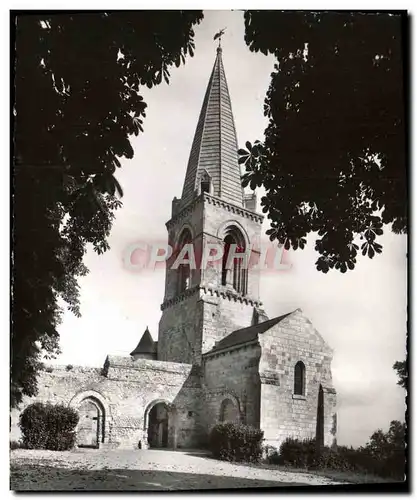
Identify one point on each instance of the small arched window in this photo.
(299, 378)
(205, 187)
(205, 182)
(184, 272)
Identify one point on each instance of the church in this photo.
(219, 357)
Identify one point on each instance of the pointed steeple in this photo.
(214, 150)
(145, 348)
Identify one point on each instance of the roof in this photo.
(247, 334)
(146, 344)
(214, 148)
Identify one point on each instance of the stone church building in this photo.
(218, 356)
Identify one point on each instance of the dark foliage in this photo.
(16, 445)
(77, 82)
(296, 453)
(48, 427)
(402, 372)
(236, 442)
(388, 450)
(333, 158)
(383, 455)
(305, 454)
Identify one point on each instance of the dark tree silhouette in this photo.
(77, 82)
(389, 449)
(402, 372)
(333, 158)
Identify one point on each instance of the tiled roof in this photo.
(215, 147)
(247, 334)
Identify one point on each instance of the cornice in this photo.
(223, 293)
(215, 201)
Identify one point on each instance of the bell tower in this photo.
(205, 301)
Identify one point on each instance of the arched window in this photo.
(184, 272)
(205, 186)
(236, 274)
(299, 378)
(228, 412)
(205, 182)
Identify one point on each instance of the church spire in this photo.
(213, 154)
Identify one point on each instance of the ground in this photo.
(125, 470)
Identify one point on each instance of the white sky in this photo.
(361, 314)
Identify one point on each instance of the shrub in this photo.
(269, 451)
(48, 426)
(297, 453)
(380, 457)
(236, 442)
(16, 445)
(335, 459)
(69, 367)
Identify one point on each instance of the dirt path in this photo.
(124, 470)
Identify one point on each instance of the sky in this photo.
(361, 314)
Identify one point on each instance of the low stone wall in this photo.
(125, 390)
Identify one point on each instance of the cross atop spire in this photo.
(214, 151)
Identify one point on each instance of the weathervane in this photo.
(219, 35)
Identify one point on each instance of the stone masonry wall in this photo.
(233, 375)
(126, 388)
(223, 315)
(190, 327)
(180, 327)
(283, 413)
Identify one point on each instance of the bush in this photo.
(269, 451)
(297, 453)
(69, 367)
(16, 445)
(387, 461)
(336, 459)
(48, 426)
(236, 442)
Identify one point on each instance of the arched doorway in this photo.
(160, 425)
(229, 412)
(90, 429)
